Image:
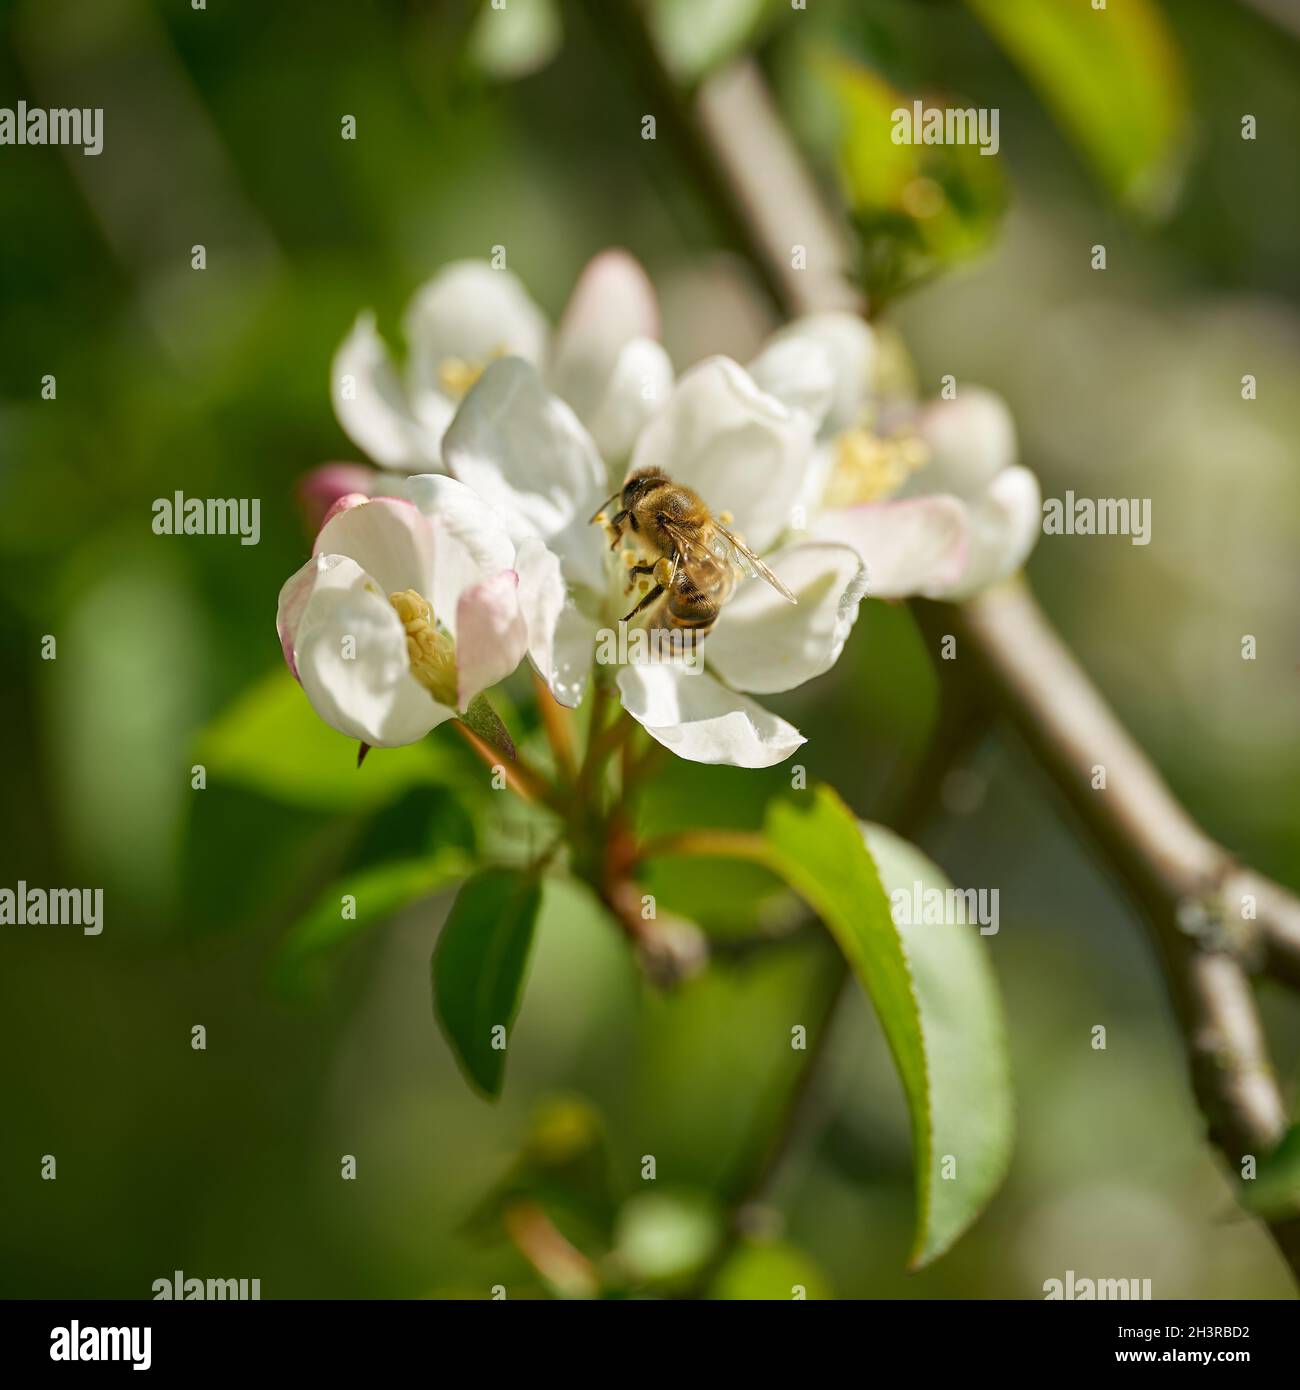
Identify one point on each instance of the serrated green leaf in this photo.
(1114, 81)
(483, 720)
(479, 966)
(272, 741)
(935, 995)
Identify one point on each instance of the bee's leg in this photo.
(616, 528)
(645, 603)
(634, 570)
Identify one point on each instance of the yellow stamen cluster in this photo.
(869, 466)
(432, 653)
(456, 375)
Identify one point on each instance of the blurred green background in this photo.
(222, 128)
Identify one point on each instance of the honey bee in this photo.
(697, 554)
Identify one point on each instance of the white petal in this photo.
(764, 644)
(847, 347)
(916, 546)
(561, 638)
(612, 303)
(350, 655)
(372, 406)
(700, 719)
(1005, 524)
(798, 372)
(387, 537)
(470, 314)
(816, 479)
(490, 634)
(524, 452)
(434, 411)
(470, 540)
(294, 593)
(739, 448)
(971, 439)
(637, 387)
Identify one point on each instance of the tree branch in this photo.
(1188, 887)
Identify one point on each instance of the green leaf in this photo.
(934, 992)
(1114, 81)
(483, 720)
(479, 965)
(272, 741)
(376, 894)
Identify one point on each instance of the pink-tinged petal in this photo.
(387, 536)
(1005, 525)
(612, 303)
(470, 540)
(698, 718)
(561, 639)
(349, 650)
(970, 438)
(524, 452)
(491, 637)
(320, 489)
(294, 594)
(372, 406)
(739, 448)
(764, 644)
(343, 504)
(915, 546)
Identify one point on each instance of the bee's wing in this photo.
(690, 553)
(759, 568)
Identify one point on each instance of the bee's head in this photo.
(644, 480)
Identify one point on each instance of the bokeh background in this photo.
(223, 128)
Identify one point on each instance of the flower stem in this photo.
(558, 723)
(520, 776)
(717, 844)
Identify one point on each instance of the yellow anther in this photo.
(432, 654)
(870, 466)
(726, 518)
(628, 558)
(456, 375)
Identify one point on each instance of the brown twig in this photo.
(746, 164)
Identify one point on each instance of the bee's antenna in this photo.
(613, 497)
